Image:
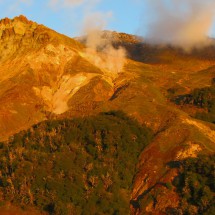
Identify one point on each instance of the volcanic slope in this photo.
(46, 76)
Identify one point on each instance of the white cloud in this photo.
(56, 4)
(179, 22)
(14, 6)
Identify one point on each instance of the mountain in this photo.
(86, 115)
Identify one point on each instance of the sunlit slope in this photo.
(41, 71)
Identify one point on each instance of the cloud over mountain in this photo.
(184, 23)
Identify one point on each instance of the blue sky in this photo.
(68, 16)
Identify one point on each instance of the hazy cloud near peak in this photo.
(71, 3)
(56, 3)
(184, 23)
(108, 57)
(99, 51)
(18, 1)
(15, 6)
(95, 21)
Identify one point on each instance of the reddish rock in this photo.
(5, 21)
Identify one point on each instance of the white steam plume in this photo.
(100, 50)
(184, 23)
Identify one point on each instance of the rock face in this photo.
(48, 75)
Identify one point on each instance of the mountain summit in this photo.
(30, 61)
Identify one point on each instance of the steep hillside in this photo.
(46, 76)
(40, 71)
(31, 56)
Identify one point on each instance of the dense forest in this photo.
(73, 166)
(203, 98)
(195, 186)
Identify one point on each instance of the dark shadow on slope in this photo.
(153, 54)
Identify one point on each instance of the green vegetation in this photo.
(79, 166)
(202, 98)
(196, 186)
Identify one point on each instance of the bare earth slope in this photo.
(48, 75)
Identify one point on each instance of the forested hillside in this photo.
(202, 98)
(79, 166)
